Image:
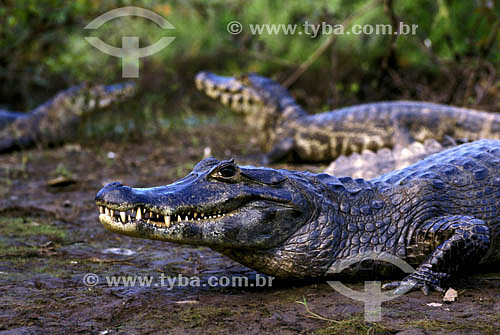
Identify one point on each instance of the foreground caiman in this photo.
(288, 132)
(441, 214)
(57, 119)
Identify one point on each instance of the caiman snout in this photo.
(109, 191)
(120, 197)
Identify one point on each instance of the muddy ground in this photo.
(50, 238)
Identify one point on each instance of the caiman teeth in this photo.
(147, 216)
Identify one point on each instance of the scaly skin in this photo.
(57, 119)
(441, 215)
(287, 132)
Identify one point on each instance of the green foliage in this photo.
(42, 45)
(62, 171)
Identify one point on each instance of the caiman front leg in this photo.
(466, 242)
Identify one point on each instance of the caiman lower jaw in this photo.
(126, 221)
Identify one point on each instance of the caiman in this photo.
(287, 132)
(57, 120)
(441, 215)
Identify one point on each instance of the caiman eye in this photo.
(227, 171)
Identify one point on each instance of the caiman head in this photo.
(265, 103)
(254, 215)
(81, 99)
(245, 93)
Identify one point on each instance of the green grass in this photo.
(354, 325)
(202, 316)
(28, 227)
(7, 250)
(25, 237)
(124, 122)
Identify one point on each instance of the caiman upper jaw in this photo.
(213, 85)
(115, 217)
(232, 92)
(121, 205)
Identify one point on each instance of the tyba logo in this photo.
(373, 295)
(130, 51)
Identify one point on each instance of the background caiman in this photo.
(441, 214)
(287, 132)
(57, 119)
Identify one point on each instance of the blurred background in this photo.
(453, 58)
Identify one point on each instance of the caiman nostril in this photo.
(107, 191)
(114, 184)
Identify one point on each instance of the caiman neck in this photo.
(289, 109)
(274, 119)
(342, 205)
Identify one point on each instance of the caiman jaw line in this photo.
(144, 215)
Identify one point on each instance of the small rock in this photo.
(187, 302)
(434, 304)
(207, 152)
(118, 251)
(450, 295)
(73, 147)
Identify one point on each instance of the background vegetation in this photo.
(453, 58)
